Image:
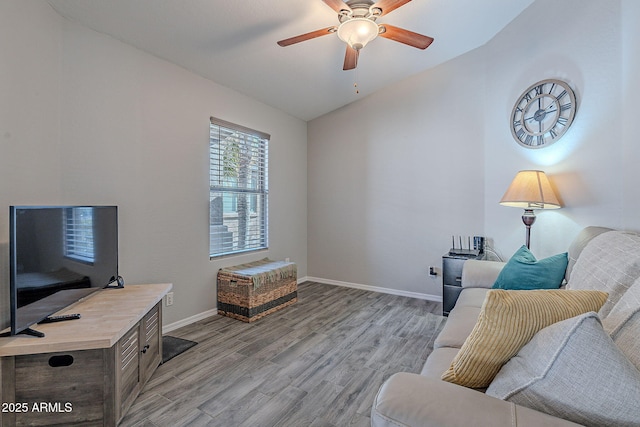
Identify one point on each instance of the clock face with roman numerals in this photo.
(543, 113)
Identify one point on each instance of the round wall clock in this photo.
(543, 113)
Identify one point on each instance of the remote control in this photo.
(60, 318)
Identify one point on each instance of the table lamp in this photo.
(530, 190)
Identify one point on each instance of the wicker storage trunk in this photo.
(250, 291)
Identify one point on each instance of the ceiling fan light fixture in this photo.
(357, 32)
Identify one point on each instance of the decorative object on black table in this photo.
(463, 246)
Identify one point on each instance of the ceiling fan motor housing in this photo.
(360, 9)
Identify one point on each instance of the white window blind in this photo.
(238, 189)
(78, 234)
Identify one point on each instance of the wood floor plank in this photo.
(238, 390)
(236, 413)
(143, 406)
(311, 409)
(345, 404)
(276, 410)
(317, 363)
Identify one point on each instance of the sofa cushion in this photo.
(507, 321)
(579, 244)
(459, 325)
(411, 400)
(573, 370)
(472, 297)
(609, 263)
(480, 273)
(438, 362)
(524, 271)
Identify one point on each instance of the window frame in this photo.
(232, 182)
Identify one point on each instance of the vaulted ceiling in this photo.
(233, 42)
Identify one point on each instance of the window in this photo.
(238, 189)
(78, 234)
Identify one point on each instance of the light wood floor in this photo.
(318, 362)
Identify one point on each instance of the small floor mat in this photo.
(172, 346)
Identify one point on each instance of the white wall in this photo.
(393, 176)
(630, 29)
(578, 42)
(30, 162)
(454, 120)
(118, 126)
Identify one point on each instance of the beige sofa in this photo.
(600, 259)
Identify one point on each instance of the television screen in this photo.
(59, 255)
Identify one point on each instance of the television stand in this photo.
(90, 371)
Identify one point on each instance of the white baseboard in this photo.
(398, 292)
(189, 320)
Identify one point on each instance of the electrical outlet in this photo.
(169, 299)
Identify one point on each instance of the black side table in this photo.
(452, 278)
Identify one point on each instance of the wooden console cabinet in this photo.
(88, 371)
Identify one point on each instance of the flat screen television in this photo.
(58, 256)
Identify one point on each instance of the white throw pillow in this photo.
(573, 370)
(623, 324)
(609, 263)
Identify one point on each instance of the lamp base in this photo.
(528, 218)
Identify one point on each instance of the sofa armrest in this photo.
(480, 274)
(412, 400)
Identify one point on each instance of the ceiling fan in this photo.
(358, 27)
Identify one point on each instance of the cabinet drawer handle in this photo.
(145, 348)
(63, 360)
(458, 279)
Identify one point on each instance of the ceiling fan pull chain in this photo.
(355, 84)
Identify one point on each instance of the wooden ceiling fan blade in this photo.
(405, 36)
(337, 5)
(350, 59)
(388, 6)
(307, 36)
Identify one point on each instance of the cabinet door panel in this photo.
(151, 351)
(128, 366)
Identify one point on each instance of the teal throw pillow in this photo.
(524, 272)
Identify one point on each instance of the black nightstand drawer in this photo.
(452, 271)
(452, 279)
(450, 295)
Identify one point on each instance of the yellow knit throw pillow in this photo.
(508, 320)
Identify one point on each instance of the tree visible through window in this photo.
(238, 189)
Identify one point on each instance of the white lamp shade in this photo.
(531, 189)
(357, 32)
